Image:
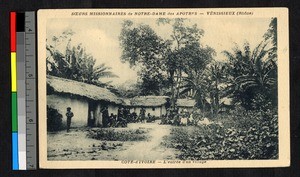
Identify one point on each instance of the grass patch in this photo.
(118, 135)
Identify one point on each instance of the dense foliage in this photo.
(253, 75)
(180, 66)
(54, 120)
(248, 135)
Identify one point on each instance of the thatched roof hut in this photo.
(149, 101)
(66, 86)
(186, 102)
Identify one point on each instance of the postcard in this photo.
(163, 88)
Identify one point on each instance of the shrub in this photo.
(54, 120)
(254, 136)
(119, 135)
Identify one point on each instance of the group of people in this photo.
(113, 120)
(142, 117)
(124, 116)
(174, 117)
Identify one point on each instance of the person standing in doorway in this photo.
(143, 114)
(69, 115)
(105, 116)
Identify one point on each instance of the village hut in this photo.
(155, 105)
(85, 100)
(185, 104)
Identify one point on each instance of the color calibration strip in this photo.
(15, 153)
(23, 83)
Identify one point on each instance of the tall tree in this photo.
(216, 76)
(271, 35)
(164, 63)
(183, 40)
(144, 49)
(195, 71)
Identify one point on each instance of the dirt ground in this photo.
(76, 146)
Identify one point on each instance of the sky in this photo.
(100, 37)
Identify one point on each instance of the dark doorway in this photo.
(91, 113)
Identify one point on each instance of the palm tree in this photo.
(262, 70)
(57, 65)
(195, 86)
(95, 74)
(77, 65)
(216, 76)
(252, 74)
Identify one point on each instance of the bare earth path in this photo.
(151, 149)
(76, 146)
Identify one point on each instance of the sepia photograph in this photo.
(167, 88)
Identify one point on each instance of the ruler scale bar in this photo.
(21, 87)
(30, 77)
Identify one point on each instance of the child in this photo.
(69, 115)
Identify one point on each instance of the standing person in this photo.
(69, 115)
(184, 119)
(134, 117)
(143, 114)
(120, 112)
(177, 120)
(91, 119)
(125, 111)
(148, 118)
(128, 115)
(112, 120)
(121, 120)
(105, 116)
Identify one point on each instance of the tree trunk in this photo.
(217, 98)
(172, 90)
(203, 107)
